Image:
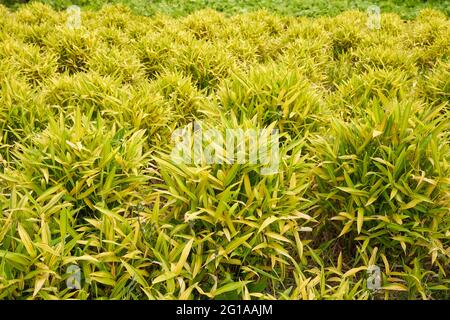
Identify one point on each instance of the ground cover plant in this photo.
(87, 179)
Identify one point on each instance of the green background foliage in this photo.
(311, 8)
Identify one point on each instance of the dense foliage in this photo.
(86, 177)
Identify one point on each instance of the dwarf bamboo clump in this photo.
(87, 176)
